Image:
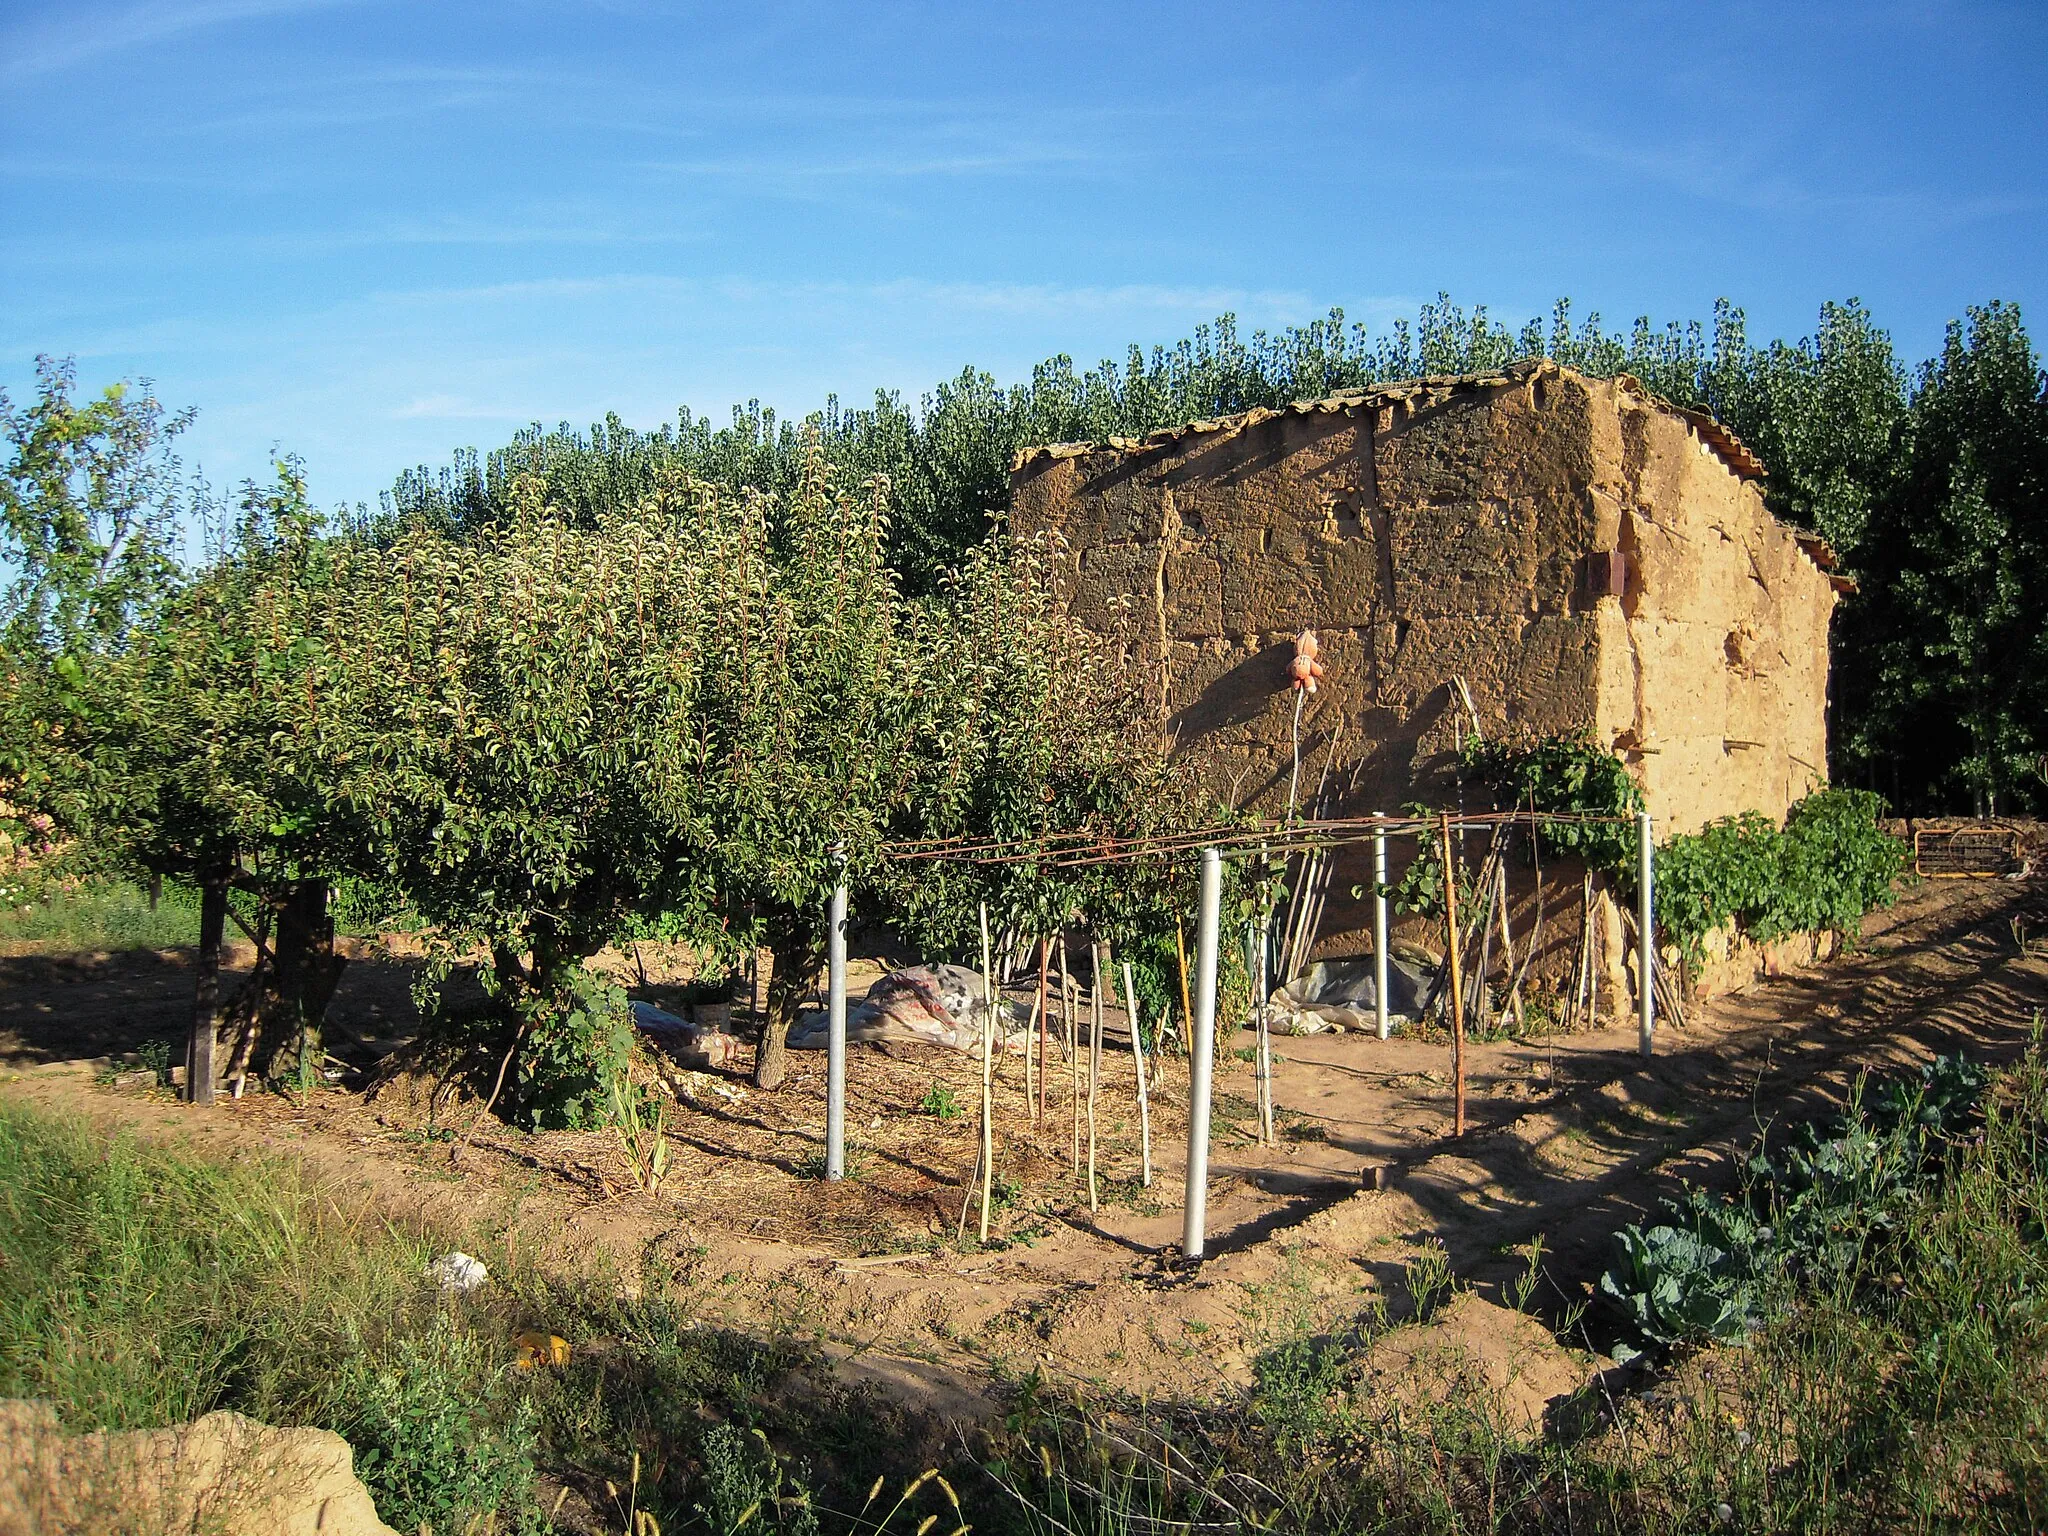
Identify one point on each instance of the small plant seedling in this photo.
(939, 1103)
(1524, 1286)
(156, 1056)
(1428, 1278)
(812, 1164)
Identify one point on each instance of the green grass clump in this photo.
(99, 913)
(142, 1287)
(104, 915)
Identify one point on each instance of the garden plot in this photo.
(1354, 1215)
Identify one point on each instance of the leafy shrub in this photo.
(156, 1056)
(578, 1043)
(1831, 864)
(1838, 860)
(437, 1441)
(1420, 889)
(1564, 775)
(940, 1103)
(744, 1483)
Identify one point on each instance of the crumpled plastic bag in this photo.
(687, 1044)
(537, 1348)
(457, 1273)
(920, 1004)
(1338, 995)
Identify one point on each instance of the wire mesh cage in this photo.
(1956, 853)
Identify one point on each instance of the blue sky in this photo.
(372, 232)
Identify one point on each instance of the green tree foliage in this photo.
(89, 494)
(1819, 410)
(1943, 697)
(200, 750)
(89, 497)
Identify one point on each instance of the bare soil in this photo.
(1569, 1138)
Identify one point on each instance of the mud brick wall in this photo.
(1573, 552)
(1714, 661)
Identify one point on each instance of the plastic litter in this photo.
(537, 1348)
(457, 1273)
(920, 1004)
(1338, 995)
(690, 1045)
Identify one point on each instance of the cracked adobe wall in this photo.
(1714, 660)
(1450, 529)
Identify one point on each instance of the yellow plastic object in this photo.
(536, 1348)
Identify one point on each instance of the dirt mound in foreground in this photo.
(1473, 1356)
(222, 1473)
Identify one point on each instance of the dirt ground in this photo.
(1335, 1228)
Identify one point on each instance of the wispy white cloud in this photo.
(81, 33)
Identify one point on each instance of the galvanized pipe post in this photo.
(1646, 934)
(1379, 920)
(1202, 1054)
(835, 1022)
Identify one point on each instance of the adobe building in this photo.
(1566, 553)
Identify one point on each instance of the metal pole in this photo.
(1379, 921)
(835, 1024)
(1202, 1054)
(1646, 934)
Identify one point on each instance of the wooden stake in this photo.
(1097, 954)
(988, 1063)
(1596, 939)
(1067, 1013)
(1144, 1089)
(1261, 988)
(1187, 1007)
(1031, 1024)
(1457, 987)
(1044, 956)
(967, 1196)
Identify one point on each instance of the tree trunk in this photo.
(793, 972)
(308, 971)
(213, 918)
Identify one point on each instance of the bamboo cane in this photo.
(1144, 1090)
(1261, 989)
(1067, 1014)
(1582, 979)
(988, 1063)
(1044, 954)
(1031, 1024)
(967, 1195)
(1596, 964)
(1457, 992)
(1096, 955)
(1187, 1008)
